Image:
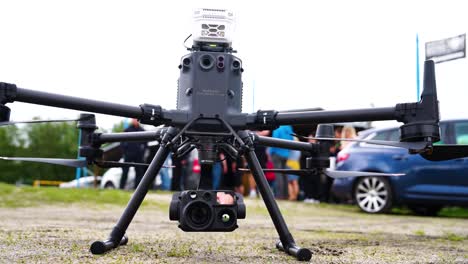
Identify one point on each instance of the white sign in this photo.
(446, 49)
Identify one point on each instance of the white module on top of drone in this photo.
(213, 25)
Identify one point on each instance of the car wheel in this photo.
(373, 194)
(109, 185)
(425, 210)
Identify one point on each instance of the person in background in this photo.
(347, 132)
(270, 176)
(232, 177)
(279, 156)
(216, 171)
(311, 183)
(178, 173)
(327, 182)
(293, 180)
(133, 152)
(336, 147)
(261, 153)
(165, 178)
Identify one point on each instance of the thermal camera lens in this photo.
(227, 217)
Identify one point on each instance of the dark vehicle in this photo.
(427, 186)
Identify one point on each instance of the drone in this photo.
(209, 118)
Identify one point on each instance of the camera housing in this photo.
(207, 210)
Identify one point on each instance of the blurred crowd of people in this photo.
(188, 173)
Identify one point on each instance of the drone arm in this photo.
(421, 119)
(272, 119)
(373, 114)
(424, 111)
(127, 136)
(147, 114)
(76, 103)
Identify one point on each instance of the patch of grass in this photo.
(454, 237)
(458, 212)
(257, 210)
(401, 211)
(10, 239)
(138, 248)
(420, 233)
(180, 250)
(75, 247)
(13, 196)
(452, 212)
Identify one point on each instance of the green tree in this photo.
(49, 140)
(10, 145)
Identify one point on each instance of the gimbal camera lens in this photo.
(207, 62)
(198, 214)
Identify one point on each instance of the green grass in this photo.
(454, 212)
(137, 248)
(13, 196)
(180, 250)
(450, 212)
(454, 237)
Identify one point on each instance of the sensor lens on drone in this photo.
(206, 62)
(199, 214)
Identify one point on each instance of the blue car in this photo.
(427, 185)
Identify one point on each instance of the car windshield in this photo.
(461, 133)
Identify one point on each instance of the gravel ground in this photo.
(335, 234)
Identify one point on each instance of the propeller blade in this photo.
(42, 121)
(446, 152)
(286, 171)
(76, 163)
(419, 146)
(331, 173)
(116, 164)
(345, 174)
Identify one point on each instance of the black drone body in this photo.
(209, 118)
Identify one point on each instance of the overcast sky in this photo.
(296, 54)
